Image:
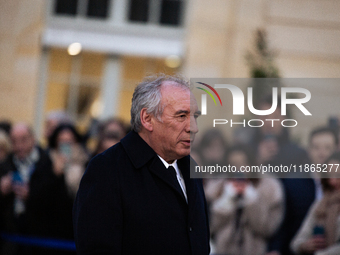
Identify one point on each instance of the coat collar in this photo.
(140, 153)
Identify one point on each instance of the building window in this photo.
(74, 83)
(156, 12)
(68, 7)
(163, 12)
(171, 12)
(98, 8)
(139, 10)
(84, 8)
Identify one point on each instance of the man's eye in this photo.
(182, 116)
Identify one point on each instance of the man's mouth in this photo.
(187, 142)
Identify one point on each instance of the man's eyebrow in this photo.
(186, 112)
(181, 111)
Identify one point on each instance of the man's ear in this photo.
(146, 120)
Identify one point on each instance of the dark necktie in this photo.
(173, 172)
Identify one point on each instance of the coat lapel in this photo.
(138, 151)
(157, 168)
(140, 154)
(190, 184)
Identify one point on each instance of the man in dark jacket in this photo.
(137, 197)
(29, 193)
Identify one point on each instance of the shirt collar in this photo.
(173, 164)
(32, 158)
(166, 164)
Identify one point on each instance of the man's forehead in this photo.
(325, 136)
(178, 97)
(21, 130)
(173, 87)
(172, 94)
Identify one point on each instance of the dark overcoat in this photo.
(128, 203)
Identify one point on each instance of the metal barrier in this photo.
(39, 242)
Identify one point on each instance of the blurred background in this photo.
(86, 56)
(68, 69)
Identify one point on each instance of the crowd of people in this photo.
(38, 186)
(296, 214)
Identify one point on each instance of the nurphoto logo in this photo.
(289, 96)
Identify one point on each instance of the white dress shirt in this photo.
(178, 175)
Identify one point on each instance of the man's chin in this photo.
(183, 153)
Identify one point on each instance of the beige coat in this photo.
(261, 216)
(327, 203)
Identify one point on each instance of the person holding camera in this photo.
(320, 231)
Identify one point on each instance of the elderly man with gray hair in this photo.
(30, 195)
(137, 197)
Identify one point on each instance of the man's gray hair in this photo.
(147, 95)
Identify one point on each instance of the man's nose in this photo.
(193, 125)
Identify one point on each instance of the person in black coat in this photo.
(137, 197)
(273, 146)
(30, 193)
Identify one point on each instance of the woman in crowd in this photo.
(245, 212)
(320, 231)
(212, 150)
(69, 159)
(68, 156)
(5, 146)
(109, 133)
